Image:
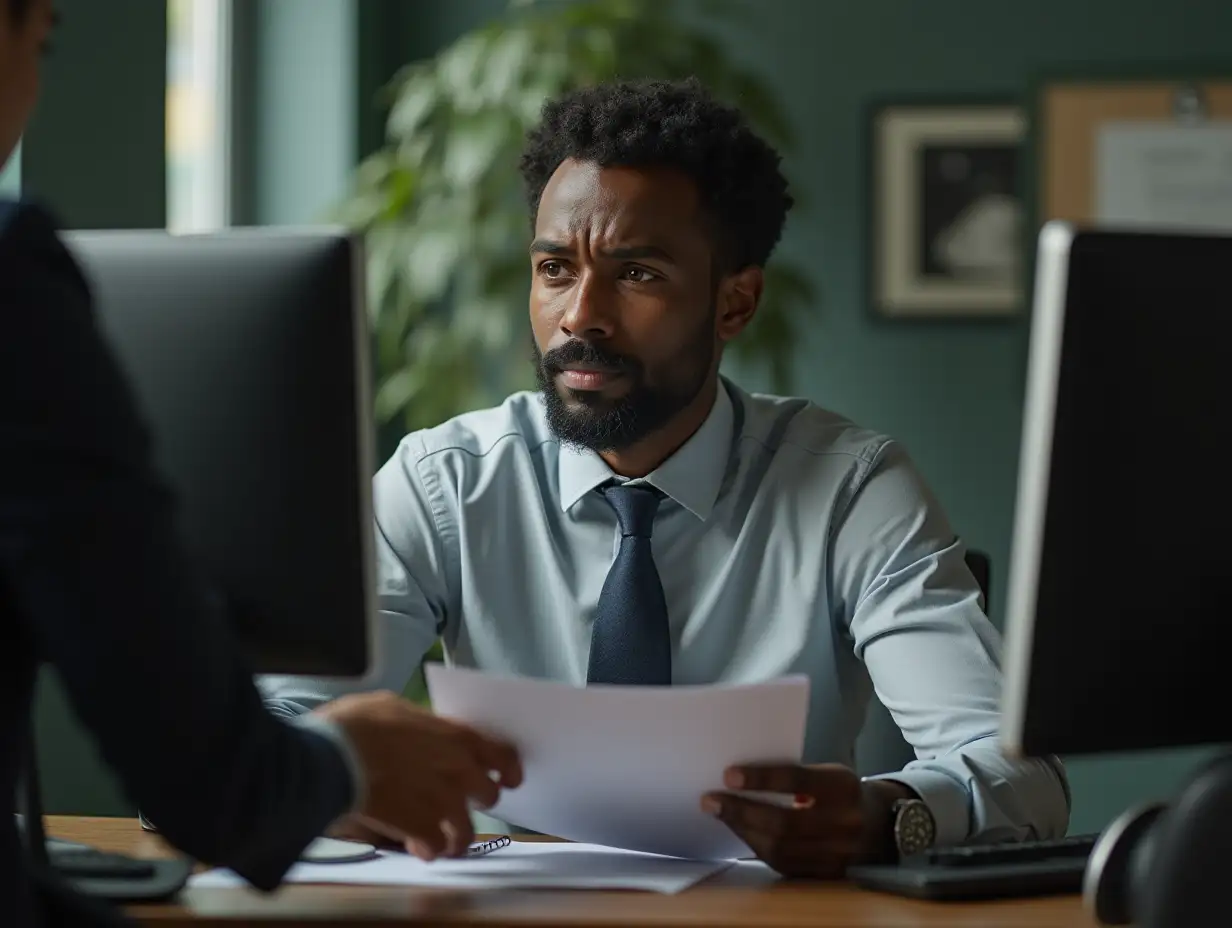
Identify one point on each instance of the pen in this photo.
(487, 847)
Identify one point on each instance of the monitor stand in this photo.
(89, 871)
(1166, 866)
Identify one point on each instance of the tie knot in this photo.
(635, 507)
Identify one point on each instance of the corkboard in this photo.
(1069, 115)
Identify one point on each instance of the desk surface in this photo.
(722, 902)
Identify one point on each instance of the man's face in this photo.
(622, 302)
(21, 47)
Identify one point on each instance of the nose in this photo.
(589, 313)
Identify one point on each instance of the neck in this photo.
(640, 459)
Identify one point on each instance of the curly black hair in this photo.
(675, 124)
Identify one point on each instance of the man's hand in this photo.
(422, 773)
(828, 820)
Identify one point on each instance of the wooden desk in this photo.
(722, 902)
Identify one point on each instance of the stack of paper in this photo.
(627, 766)
(522, 865)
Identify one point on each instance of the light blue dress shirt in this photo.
(790, 541)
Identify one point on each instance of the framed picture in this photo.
(947, 211)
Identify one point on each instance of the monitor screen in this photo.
(1117, 610)
(247, 353)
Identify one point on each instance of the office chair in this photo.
(880, 747)
(981, 566)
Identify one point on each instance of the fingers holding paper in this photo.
(814, 826)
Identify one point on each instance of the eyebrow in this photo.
(628, 253)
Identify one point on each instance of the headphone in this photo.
(1167, 866)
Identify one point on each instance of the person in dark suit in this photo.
(94, 583)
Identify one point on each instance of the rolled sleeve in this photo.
(947, 798)
(913, 613)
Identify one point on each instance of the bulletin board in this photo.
(1108, 149)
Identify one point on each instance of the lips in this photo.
(579, 378)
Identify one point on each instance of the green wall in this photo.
(96, 145)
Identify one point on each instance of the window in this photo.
(10, 176)
(198, 114)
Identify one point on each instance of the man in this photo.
(643, 520)
(94, 582)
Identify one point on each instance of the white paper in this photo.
(1165, 176)
(627, 766)
(521, 865)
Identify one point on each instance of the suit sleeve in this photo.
(90, 556)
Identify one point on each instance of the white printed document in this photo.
(627, 766)
(1164, 176)
(521, 865)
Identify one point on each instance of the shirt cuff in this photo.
(335, 734)
(946, 798)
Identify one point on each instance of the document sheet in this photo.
(627, 766)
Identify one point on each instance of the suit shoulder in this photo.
(23, 222)
(31, 247)
(516, 424)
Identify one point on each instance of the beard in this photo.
(595, 422)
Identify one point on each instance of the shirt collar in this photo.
(692, 476)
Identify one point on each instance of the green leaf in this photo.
(429, 260)
(458, 68)
(473, 144)
(396, 392)
(416, 101)
(511, 54)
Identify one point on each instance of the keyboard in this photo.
(985, 871)
(90, 863)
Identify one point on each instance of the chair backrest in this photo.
(981, 566)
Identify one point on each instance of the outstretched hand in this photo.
(422, 774)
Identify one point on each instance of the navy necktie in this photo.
(630, 642)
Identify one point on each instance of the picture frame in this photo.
(947, 211)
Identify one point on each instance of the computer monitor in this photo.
(247, 351)
(1118, 613)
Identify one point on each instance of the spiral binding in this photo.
(487, 847)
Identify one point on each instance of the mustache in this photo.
(582, 352)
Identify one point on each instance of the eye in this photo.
(552, 270)
(638, 275)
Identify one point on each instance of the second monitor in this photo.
(1117, 610)
(247, 350)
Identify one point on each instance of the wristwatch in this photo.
(915, 829)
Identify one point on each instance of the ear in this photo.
(739, 297)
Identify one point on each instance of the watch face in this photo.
(914, 829)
